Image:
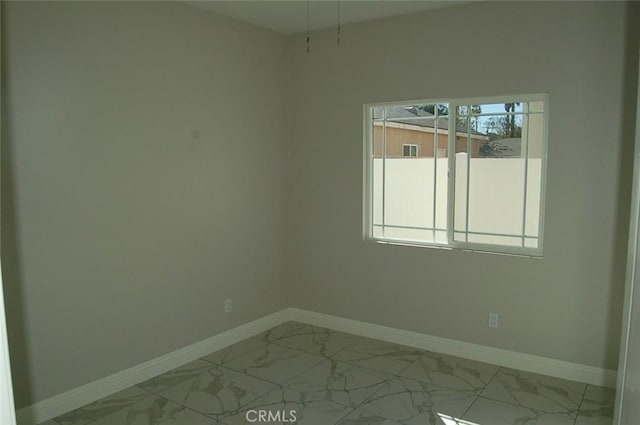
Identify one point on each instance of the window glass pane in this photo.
(415, 235)
(474, 109)
(414, 196)
(376, 175)
(496, 187)
(433, 109)
(534, 130)
(491, 108)
(441, 147)
(463, 145)
(409, 180)
(407, 197)
(495, 240)
(498, 153)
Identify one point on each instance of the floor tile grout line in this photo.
(358, 337)
(408, 366)
(98, 418)
(343, 417)
(305, 370)
(485, 397)
(267, 380)
(354, 365)
(493, 378)
(383, 386)
(262, 348)
(584, 393)
(493, 375)
(518, 372)
(238, 410)
(399, 374)
(284, 386)
(194, 411)
(470, 406)
(384, 383)
(215, 365)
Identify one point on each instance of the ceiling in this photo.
(290, 17)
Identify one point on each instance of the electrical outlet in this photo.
(493, 320)
(228, 306)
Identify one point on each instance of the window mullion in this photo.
(499, 230)
(466, 225)
(384, 170)
(525, 140)
(453, 113)
(435, 167)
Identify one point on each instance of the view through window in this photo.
(458, 173)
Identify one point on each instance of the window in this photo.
(410, 150)
(478, 183)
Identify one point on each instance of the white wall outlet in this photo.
(493, 320)
(228, 306)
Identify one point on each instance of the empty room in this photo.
(320, 212)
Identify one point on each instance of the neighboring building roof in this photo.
(404, 115)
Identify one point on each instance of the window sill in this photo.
(504, 251)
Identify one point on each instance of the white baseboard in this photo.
(78, 397)
(512, 359)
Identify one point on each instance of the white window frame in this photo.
(409, 145)
(451, 244)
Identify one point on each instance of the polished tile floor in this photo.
(317, 376)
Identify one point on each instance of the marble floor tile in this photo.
(175, 376)
(102, 407)
(318, 376)
(490, 412)
(539, 392)
(222, 356)
(274, 363)
(409, 402)
(597, 406)
(340, 382)
(155, 410)
(315, 340)
(273, 335)
(217, 392)
(451, 372)
(292, 407)
(379, 355)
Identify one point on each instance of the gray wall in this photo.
(565, 306)
(143, 178)
(146, 177)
